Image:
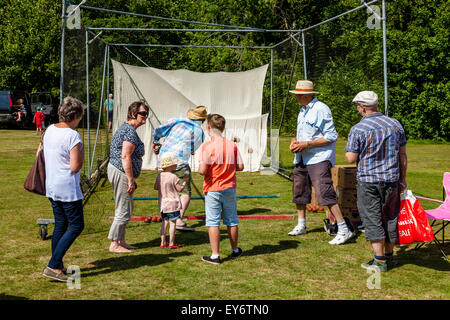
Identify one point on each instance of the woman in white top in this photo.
(63, 152)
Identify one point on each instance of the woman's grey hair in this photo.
(69, 109)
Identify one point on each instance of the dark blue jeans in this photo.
(69, 222)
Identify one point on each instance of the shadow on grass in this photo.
(252, 211)
(315, 230)
(428, 256)
(183, 238)
(8, 297)
(130, 262)
(270, 248)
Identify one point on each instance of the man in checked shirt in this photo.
(378, 145)
(182, 136)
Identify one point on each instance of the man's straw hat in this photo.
(304, 87)
(199, 113)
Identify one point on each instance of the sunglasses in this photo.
(143, 113)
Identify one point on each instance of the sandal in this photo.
(175, 246)
(164, 245)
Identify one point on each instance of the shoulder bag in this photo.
(35, 181)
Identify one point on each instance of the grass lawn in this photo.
(274, 266)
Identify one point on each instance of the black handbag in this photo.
(35, 181)
(332, 228)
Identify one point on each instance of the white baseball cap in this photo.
(366, 98)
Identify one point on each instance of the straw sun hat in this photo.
(199, 113)
(168, 159)
(304, 87)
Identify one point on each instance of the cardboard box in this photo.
(346, 197)
(344, 176)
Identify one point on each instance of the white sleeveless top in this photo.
(60, 182)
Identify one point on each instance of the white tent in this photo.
(170, 93)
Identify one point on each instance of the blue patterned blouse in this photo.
(126, 132)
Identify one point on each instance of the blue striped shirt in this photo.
(313, 122)
(182, 136)
(377, 140)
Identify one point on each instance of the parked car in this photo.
(45, 101)
(15, 107)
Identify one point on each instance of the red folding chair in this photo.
(441, 213)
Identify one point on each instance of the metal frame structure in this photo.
(293, 34)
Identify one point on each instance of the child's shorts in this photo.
(219, 203)
(172, 216)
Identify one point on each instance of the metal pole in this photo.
(87, 104)
(386, 107)
(137, 57)
(288, 88)
(167, 19)
(185, 46)
(271, 106)
(63, 39)
(107, 114)
(323, 22)
(100, 107)
(304, 56)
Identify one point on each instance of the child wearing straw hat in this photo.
(168, 186)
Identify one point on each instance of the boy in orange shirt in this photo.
(219, 161)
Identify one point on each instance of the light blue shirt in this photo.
(313, 122)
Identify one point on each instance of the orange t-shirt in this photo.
(221, 156)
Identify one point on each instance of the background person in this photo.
(315, 151)
(109, 107)
(21, 110)
(220, 159)
(378, 145)
(124, 167)
(168, 186)
(38, 120)
(63, 152)
(182, 137)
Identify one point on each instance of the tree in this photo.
(30, 45)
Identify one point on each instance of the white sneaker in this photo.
(342, 238)
(297, 230)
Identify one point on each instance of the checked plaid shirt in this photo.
(182, 137)
(377, 139)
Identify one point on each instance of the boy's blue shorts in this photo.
(221, 203)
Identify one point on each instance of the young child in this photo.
(168, 186)
(39, 120)
(219, 161)
(21, 111)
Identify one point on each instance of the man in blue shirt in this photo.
(378, 145)
(182, 136)
(109, 107)
(315, 151)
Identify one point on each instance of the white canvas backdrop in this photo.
(170, 93)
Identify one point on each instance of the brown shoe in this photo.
(55, 276)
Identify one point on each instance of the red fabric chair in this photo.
(441, 213)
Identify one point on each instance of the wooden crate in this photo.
(346, 197)
(344, 176)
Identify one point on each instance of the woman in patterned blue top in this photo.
(124, 167)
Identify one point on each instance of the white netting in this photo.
(171, 93)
